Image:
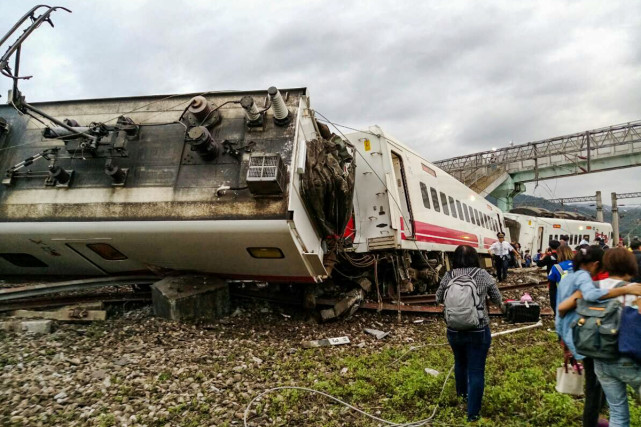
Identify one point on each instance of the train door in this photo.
(540, 239)
(403, 201)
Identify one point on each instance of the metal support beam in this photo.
(596, 198)
(615, 220)
(506, 192)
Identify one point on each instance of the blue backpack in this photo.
(630, 333)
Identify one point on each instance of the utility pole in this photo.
(615, 221)
(599, 207)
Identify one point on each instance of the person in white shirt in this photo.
(500, 252)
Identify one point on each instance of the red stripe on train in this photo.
(433, 233)
(488, 241)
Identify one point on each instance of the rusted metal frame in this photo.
(73, 285)
(431, 298)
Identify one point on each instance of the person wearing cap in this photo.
(500, 252)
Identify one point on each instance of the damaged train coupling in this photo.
(384, 277)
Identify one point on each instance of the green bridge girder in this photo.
(514, 184)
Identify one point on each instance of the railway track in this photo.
(62, 300)
(431, 298)
(57, 294)
(17, 293)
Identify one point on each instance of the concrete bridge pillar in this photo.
(506, 192)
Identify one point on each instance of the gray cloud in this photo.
(445, 78)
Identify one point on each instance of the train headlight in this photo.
(270, 253)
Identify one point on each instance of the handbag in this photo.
(570, 380)
(630, 333)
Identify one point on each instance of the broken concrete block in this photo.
(354, 296)
(378, 334)
(327, 314)
(33, 326)
(37, 326)
(190, 298)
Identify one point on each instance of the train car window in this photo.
(476, 214)
(446, 211)
(467, 215)
(452, 206)
(496, 226)
(23, 260)
(486, 222)
(107, 251)
(460, 210)
(437, 208)
(426, 197)
(556, 237)
(472, 216)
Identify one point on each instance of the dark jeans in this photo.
(470, 351)
(500, 265)
(552, 290)
(594, 397)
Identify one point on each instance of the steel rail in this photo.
(10, 294)
(117, 297)
(431, 298)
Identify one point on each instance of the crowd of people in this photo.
(592, 276)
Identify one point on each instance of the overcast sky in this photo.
(447, 78)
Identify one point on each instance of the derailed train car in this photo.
(209, 183)
(245, 185)
(534, 228)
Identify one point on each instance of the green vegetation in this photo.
(520, 380)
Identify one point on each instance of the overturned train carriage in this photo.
(241, 184)
(244, 185)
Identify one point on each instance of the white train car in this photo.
(183, 183)
(187, 197)
(535, 232)
(405, 202)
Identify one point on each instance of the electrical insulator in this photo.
(251, 111)
(59, 175)
(117, 174)
(281, 113)
(200, 108)
(203, 143)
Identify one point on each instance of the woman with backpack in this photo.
(620, 370)
(564, 257)
(464, 290)
(586, 263)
